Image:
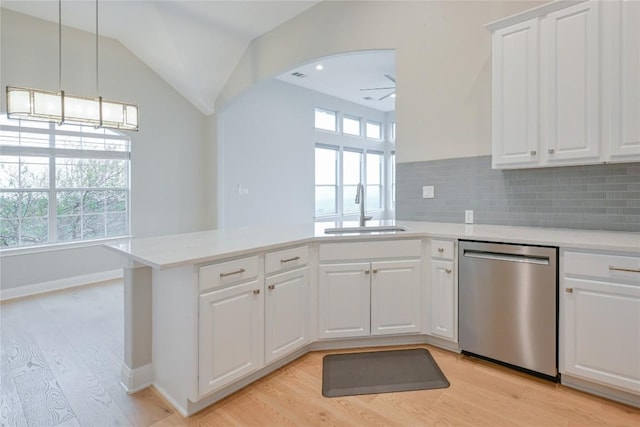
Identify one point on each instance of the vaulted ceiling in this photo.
(195, 45)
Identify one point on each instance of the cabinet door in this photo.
(344, 293)
(286, 313)
(572, 78)
(601, 336)
(395, 297)
(231, 335)
(625, 67)
(444, 300)
(515, 95)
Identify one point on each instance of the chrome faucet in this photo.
(360, 200)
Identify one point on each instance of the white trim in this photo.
(54, 285)
(61, 246)
(589, 386)
(134, 380)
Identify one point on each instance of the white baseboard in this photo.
(55, 285)
(134, 380)
(612, 393)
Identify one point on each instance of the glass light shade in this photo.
(18, 100)
(39, 105)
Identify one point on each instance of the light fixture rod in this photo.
(59, 45)
(97, 80)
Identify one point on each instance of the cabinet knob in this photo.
(551, 151)
(569, 290)
(367, 272)
(448, 270)
(256, 291)
(440, 250)
(271, 287)
(533, 152)
(375, 270)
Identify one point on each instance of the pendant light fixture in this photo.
(60, 107)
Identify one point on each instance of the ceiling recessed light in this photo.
(319, 67)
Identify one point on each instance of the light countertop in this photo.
(193, 248)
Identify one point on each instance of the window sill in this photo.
(9, 252)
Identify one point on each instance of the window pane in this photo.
(325, 200)
(34, 231)
(93, 226)
(374, 197)
(374, 169)
(326, 166)
(116, 224)
(24, 172)
(351, 167)
(393, 131)
(325, 119)
(374, 130)
(351, 125)
(393, 179)
(69, 227)
(349, 199)
(69, 202)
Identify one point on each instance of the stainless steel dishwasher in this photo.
(508, 306)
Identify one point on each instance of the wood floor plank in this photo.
(11, 413)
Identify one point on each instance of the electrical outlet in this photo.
(468, 217)
(428, 192)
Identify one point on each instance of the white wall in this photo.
(443, 57)
(266, 144)
(167, 168)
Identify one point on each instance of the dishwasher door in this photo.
(508, 304)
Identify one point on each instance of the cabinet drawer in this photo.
(442, 249)
(606, 266)
(286, 259)
(224, 273)
(370, 250)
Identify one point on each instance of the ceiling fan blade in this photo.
(378, 88)
(390, 77)
(387, 95)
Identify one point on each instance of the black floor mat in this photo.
(380, 372)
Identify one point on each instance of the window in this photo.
(392, 137)
(393, 179)
(326, 120)
(351, 125)
(61, 183)
(351, 176)
(374, 130)
(375, 178)
(326, 181)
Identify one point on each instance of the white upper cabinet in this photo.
(515, 94)
(624, 131)
(572, 55)
(566, 85)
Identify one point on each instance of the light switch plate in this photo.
(428, 192)
(468, 217)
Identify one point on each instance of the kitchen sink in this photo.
(365, 229)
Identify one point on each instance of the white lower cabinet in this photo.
(231, 335)
(286, 313)
(443, 300)
(369, 298)
(443, 290)
(600, 319)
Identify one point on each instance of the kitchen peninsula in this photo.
(271, 295)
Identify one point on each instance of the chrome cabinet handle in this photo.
(295, 258)
(440, 250)
(569, 290)
(533, 152)
(628, 270)
(242, 270)
(448, 270)
(271, 287)
(256, 291)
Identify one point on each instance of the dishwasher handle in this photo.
(497, 256)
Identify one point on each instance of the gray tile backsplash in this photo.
(595, 197)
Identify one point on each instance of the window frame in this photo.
(380, 130)
(335, 120)
(54, 153)
(354, 118)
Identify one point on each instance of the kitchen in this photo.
(456, 97)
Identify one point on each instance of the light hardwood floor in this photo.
(61, 353)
